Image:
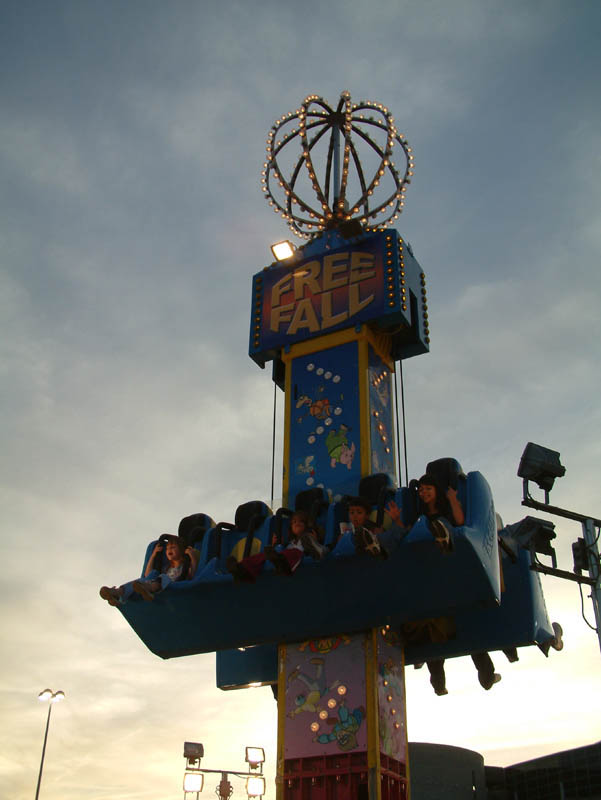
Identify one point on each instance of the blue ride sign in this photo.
(370, 281)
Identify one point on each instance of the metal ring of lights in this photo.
(357, 124)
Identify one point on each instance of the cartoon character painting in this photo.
(339, 450)
(317, 687)
(344, 730)
(322, 418)
(306, 466)
(320, 409)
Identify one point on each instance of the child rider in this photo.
(303, 540)
(154, 580)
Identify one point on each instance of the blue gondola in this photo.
(519, 621)
(345, 591)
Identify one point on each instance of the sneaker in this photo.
(437, 677)
(488, 681)
(231, 564)
(141, 588)
(111, 596)
(442, 535)
(312, 547)
(237, 571)
(367, 542)
(557, 641)
(282, 567)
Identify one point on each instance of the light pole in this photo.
(52, 697)
(542, 465)
(194, 775)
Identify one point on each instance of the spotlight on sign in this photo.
(282, 250)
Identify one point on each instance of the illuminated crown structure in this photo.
(344, 196)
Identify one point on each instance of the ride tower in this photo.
(334, 316)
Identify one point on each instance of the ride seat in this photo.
(251, 526)
(192, 529)
(337, 513)
(449, 473)
(377, 489)
(407, 500)
(315, 503)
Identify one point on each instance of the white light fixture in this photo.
(255, 786)
(255, 756)
(194, 773)
(282, 250)
(193, 781)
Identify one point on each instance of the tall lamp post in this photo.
(51, 697)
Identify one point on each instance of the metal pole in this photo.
(588, 531)
(225, 787)
(336, 135)
(37, 791)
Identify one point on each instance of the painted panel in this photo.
(324, 422)
(325, 697)
(391, 701)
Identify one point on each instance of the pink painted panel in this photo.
(391, 701)
(325, 697)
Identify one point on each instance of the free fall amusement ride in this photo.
(335, 317)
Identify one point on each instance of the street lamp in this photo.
(194, 774)
(51, 697)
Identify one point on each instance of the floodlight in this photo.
(193, 781)
(57, 696)
(580, 555)
(255, 786)
(255, 756)
(535, 534)
(541, 465)
(282, 250)
(45, 695)
(193, 750)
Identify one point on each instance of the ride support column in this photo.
(339, 423)
(342, 732)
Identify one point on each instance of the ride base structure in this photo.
(333, 638)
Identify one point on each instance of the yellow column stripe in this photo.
(279, 780)
(373, 719)
(364, 426)
(287, 418)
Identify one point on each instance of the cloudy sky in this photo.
(131, 141)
